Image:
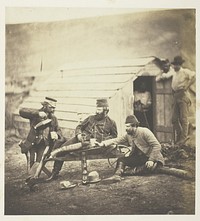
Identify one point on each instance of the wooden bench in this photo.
(83, 154)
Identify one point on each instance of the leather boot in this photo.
(56, 169)
(139, 170)
(119, 168)
(54, 175)
(31, 183)
(117, 175)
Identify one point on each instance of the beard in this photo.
(176, 69)
(129, 132)
(99, 117)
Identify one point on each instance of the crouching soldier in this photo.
(145, 155)
(44, 135)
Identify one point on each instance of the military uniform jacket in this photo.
(34, 137)
(144, 140)
(101, 130)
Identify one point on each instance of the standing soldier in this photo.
(99, 126)
(182, 79)
(44, 133)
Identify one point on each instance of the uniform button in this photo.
(32, 144)
(36, 136)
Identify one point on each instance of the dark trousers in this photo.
(134, 160)
(36, 152)
(58, 164)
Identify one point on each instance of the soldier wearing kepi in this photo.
(145, 155)
(44, 132)
(99, 126)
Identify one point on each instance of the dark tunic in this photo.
(35, 137)
(101, 130)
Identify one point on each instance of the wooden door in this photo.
(163, 110)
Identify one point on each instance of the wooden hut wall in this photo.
(76, 89)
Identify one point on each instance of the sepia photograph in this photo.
(100, 111)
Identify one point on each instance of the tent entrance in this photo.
(144, 99)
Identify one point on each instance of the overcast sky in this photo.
(16, 15)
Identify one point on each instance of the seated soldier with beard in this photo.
(98, 126)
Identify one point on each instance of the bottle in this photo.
(84, 168)
(84, 177)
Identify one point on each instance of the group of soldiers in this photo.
(145, 154)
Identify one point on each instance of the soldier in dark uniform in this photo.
(99, 126)
(44, 132)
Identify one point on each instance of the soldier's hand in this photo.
(80, 137)
(149, 164)
(54, 135)
(42, 114)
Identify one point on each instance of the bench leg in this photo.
(42, 163)
(46, 171)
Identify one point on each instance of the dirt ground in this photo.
(152, 194)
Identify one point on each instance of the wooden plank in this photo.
(68, 124)
(164, 91)
(160, 136)
(71, 116)
(90, 86)
(160, 110)
(159, 85)
(100, 71)
(77, 108)
(65, 114)
(64, 100)
(74, 94)
(168, 110)
(154, 105)
(169, 137)
(164, 129)
(167, 83)
(33, 105)
(92, 79)
(20, 122)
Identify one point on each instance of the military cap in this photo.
(102, 102)
(50, 101)
(131, 119)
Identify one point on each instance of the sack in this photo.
(29, 142)
(25, 146)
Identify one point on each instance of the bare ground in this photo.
(152, 194)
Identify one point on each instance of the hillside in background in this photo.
(32, 46)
